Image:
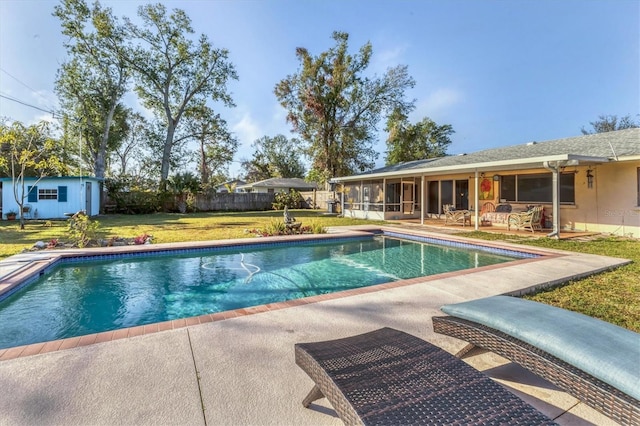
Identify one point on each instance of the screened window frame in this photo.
(511, 189)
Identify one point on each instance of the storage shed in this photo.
(53, 197)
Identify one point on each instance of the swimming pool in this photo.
(82, 295)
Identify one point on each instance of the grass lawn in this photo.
(612, 296)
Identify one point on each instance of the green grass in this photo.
(612, 296)
(165, 227)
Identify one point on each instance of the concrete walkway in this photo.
(241, 371)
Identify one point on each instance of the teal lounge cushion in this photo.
(603, 350)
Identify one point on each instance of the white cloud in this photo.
(387, 58)
(246, 129)
(438, 102)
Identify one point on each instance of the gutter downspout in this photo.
(555, 183)
(476, 200)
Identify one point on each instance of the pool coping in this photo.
(39, 264)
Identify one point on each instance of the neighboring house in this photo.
(586, 183)
(233, 184)
(54, 197)
(278, 185)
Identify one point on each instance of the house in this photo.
(53, 197)
(585, 183)
(278, 185)
(230, 184)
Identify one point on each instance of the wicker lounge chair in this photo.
(527, 220)
(456, 216)
(391, 377)
(592, 360)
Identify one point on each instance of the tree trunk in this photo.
(166, 156)
(100, 162)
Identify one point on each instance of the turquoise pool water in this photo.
(79, 298)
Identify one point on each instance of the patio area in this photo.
(240, 370)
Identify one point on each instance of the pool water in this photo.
(94, 296)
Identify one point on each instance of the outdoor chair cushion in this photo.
(503, 208)
(603, 350)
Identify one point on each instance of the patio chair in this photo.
(26, 211)
(530, 219)
(485, 219)
(456, 216)
(391, 377)
(487, 208)
(290, 223)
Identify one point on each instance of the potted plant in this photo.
(11, 215)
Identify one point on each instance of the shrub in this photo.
(317, 228)
(291, 199)
(82, 229)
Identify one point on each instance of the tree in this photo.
(408, 142)
(94, 81)
(609, 123)
(216, 145)
(274, 157)
(335, 109)
(130, 152)
(29, 152)
(173, 73)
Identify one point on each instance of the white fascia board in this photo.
(533, 162)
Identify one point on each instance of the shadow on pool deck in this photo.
(241, 370)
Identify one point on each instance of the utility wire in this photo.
(33, 91)
(29, 105)
(16, 79)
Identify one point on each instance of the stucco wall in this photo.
(611, 206)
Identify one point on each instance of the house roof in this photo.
(294, 183)
(236, 182)
(588, 149)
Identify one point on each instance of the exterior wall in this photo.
(364, 214)
(611, 205)
(54, 209)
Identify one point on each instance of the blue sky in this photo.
(500, 72)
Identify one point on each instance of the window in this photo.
(433, 195)
(446, 192)
(47, 194)
(393, 197)
(537, 188)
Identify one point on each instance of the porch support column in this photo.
(422, 203)
(384, 199)
(476, 200)
(555, 185)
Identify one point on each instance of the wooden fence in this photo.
(251, 201)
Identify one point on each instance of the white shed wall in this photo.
(54, 209)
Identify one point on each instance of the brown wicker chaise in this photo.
(388, 377)
(566, 348)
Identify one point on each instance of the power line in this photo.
(16, 79)
(33, 91)
(26, 104)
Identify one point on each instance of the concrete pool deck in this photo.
(241, 370)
